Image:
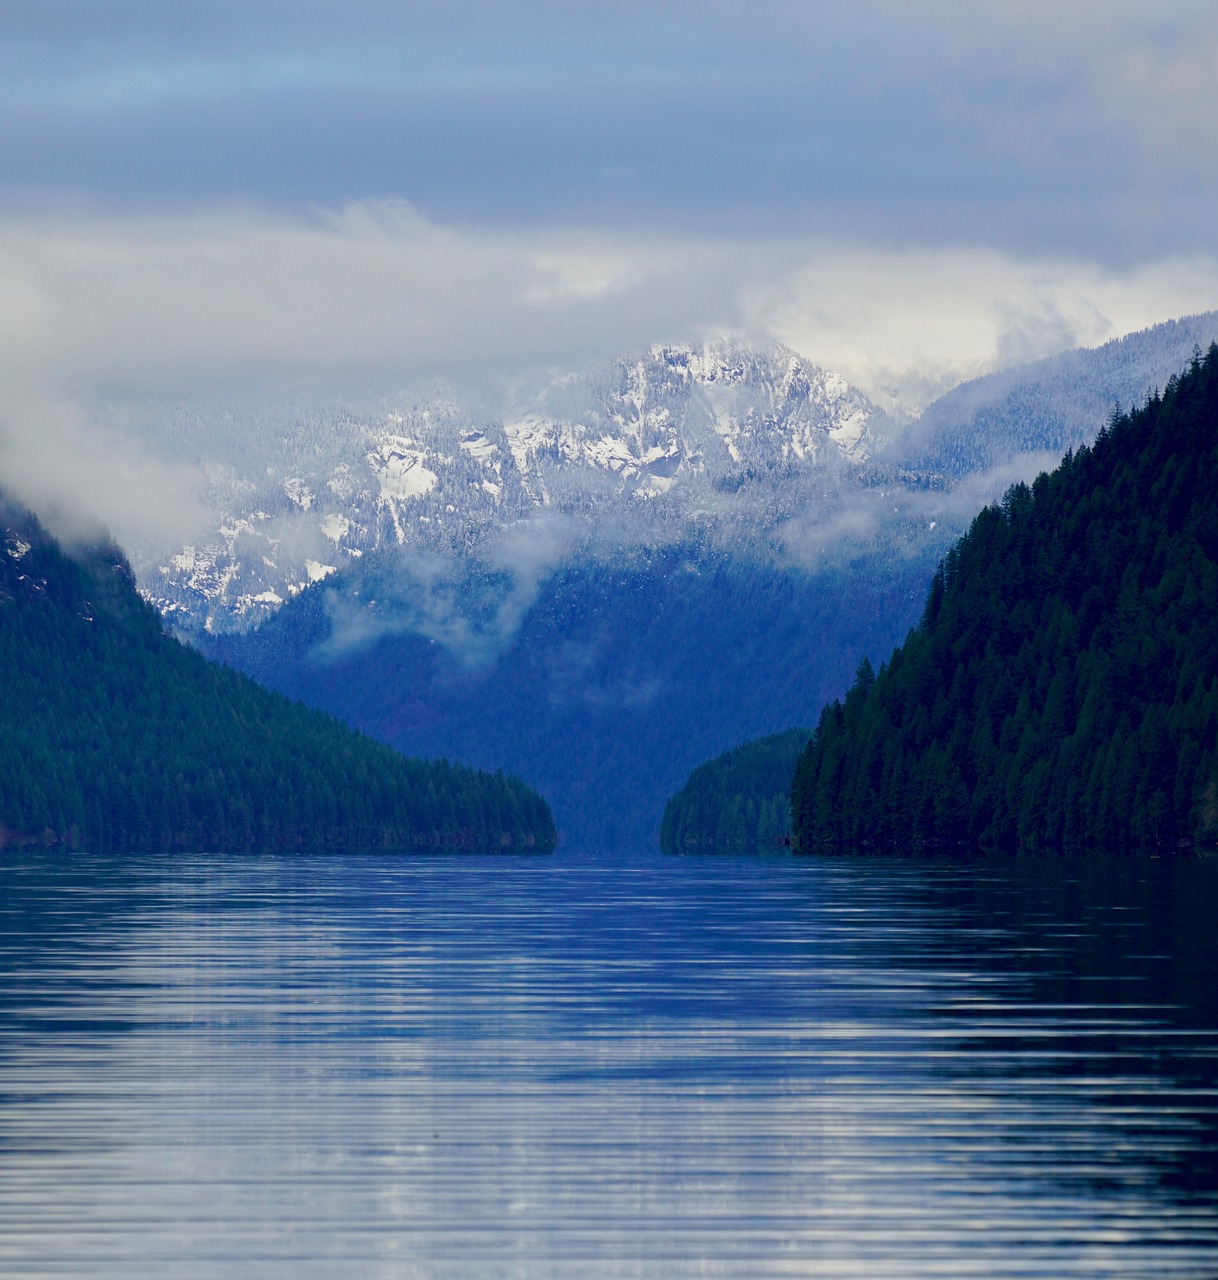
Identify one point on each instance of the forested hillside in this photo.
(620, 678)
(1062, 687)
(113, 736)
(738, 802)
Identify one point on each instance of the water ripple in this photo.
(626, 1067)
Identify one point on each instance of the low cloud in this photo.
(908, 326)
(86, 482)
(472, 605)
(373, 294)
(102, 313)
(819, 538)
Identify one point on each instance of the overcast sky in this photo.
(240, 196)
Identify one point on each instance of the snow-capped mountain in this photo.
(678, 412)
(655, 438)
(732, 531)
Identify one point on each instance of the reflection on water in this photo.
(629, 1066)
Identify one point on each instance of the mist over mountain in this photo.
(615, 577)
(1048, 406)
(724, 442)
(752, 450)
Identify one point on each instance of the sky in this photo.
(242, 199)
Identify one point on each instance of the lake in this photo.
(615, 1066)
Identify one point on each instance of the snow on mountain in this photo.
(1044, 408)
(679, 410)
(677, 430)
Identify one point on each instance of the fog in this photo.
(101, 315)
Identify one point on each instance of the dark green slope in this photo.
(619, 680)
(1062, 687)
(115, 736)
(740, 801)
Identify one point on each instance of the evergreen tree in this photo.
(738, 802)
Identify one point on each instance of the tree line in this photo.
(115, 736)
(739, 802)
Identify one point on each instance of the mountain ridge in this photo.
(678, 430)
(1051, 405)
(738, 446)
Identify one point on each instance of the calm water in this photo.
(636, 1066)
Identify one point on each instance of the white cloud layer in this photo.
(100, 311)
(907, 326)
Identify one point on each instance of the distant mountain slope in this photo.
(1062, 688)
(115, 736)
(739, 802)
(723, 442)
(618, 678)
(1050, 406)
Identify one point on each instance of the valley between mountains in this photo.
(629, 569)
(603, 580)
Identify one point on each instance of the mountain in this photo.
(1062, 687)
(616, 677)
(1011, 420)
(115, 736)
(738, 802)
(663, 442)
(607, 626)
(679, 413)
(724, 443)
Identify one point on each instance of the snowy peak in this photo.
(305, 493)
(679, 410)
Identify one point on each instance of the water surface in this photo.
(612, 1066)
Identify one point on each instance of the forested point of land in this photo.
(739, 802)
(1061, 690)
(116, 737)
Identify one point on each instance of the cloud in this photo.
(99, 313)
(247, 299)
(84, 480)
(472, 605)
(908, 325)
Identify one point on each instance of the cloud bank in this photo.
(101, 312)
(258, 198)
